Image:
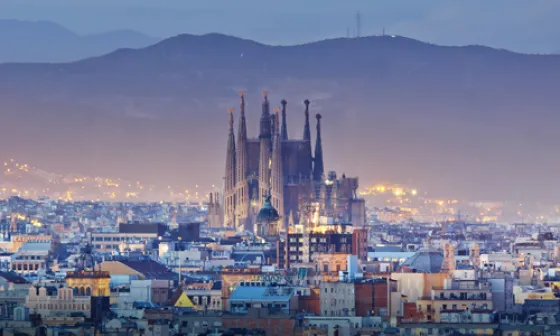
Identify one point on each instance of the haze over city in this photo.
(443, 120)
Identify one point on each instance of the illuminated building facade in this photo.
(285, 169)
(30, 258)
(129, 233)
(291, 251)
(54, 301)
(91, 283)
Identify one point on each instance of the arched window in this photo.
(88, 291)
(81, 292)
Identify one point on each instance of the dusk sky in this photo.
(526, 26)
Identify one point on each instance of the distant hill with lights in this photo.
(23, 180)
(470, 122)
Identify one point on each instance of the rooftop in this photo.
(152, 270)
(255, 293)
(13, 278)
(425, 261)
(268, 213)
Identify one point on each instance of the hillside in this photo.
(469, 121)
(44, 41)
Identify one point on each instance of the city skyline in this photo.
(317, 167)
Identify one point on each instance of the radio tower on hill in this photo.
(358, 24)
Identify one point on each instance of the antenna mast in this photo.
(358, 24)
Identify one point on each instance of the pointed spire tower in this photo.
(307, 138)
(318, 169)
(265, 145)
(230, 177)
(284, 134)
(306, 128)
(277, 180)
(242, 201)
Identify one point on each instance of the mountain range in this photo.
(44, 41)
(470, 121)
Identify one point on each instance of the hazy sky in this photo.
(521, 25)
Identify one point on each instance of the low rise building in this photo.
(53, 301)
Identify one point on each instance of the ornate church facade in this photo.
(284, 171)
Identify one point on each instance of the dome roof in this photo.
(425, 261)
(267, 214)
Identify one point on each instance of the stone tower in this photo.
(284, 132)
(265, 145)
(318, 169)
(307, 134)
(277, 175)
(448, 264)
(242, 199)
(230, 177)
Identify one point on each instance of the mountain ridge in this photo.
(46, 41)
(437, 117)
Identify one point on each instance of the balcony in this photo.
(469, 297)
(466, 285)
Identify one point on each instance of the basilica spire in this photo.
(265, 149)
(230, 176)
(307, 140)
(284, 134)
(242, 142)
(318, 169)
(242, 162)
(306, 128)
(265, 129)
(231, 137)
(277, 180)
(242, 132)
